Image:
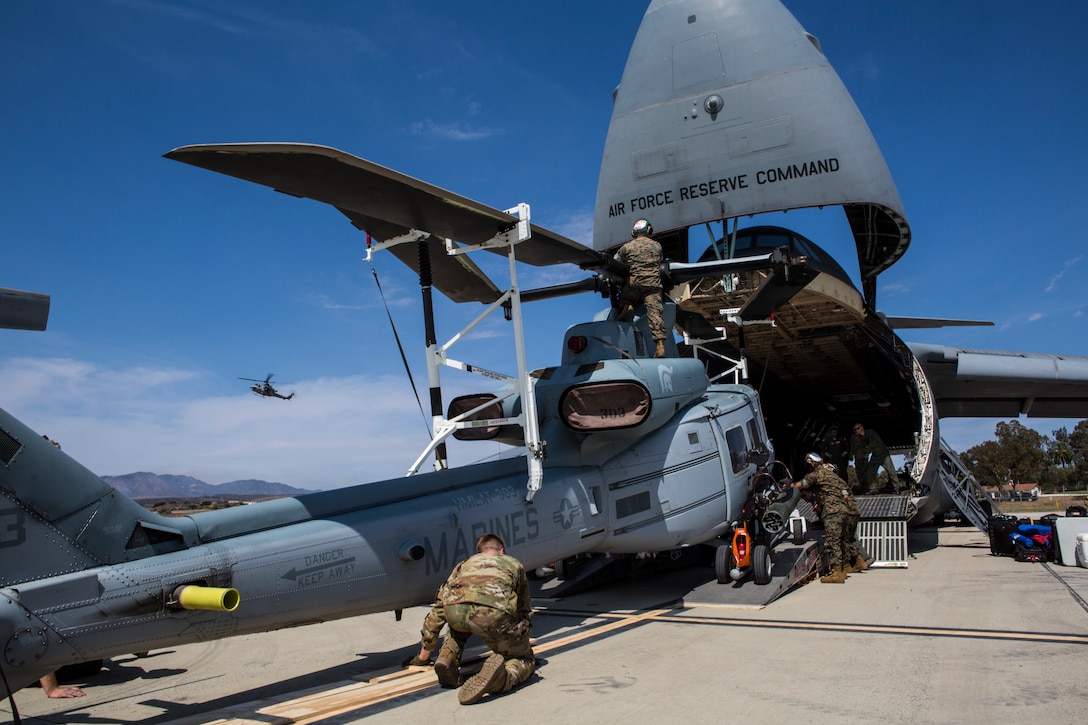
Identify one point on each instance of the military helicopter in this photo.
(612, 450)
(264, 388)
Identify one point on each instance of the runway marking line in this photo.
(1022, 636)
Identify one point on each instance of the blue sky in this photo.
(169, 282)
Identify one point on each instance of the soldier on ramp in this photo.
(840, 514)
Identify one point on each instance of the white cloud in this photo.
(450, 131)
(335, 432)
(1053, 284)
(579, 227)
(895, 289)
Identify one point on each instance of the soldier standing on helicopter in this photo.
(643, 257)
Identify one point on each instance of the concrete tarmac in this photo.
(960, 636)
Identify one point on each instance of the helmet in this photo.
(813, 460)
(642, 227)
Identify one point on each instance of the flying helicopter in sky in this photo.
(614, 451)
(265, 389)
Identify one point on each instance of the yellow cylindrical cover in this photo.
(213, 599)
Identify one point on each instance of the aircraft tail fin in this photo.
(57, 517)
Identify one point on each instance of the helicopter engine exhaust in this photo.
(211, 599)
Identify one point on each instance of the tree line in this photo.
(1056, 463)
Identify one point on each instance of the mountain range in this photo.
(144, 485)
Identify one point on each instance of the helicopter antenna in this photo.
(400, 348)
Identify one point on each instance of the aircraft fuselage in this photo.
(369, 548)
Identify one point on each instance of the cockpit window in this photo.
(753, 433)
(766, 241)
(801, 246)
(738, 448)
(760, 240)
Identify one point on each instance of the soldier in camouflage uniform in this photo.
(643, 256)
(840, 514)
(486, 595)
(870, 454)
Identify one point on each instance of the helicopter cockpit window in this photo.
(738, 448)
(605, 406)
(753, 433)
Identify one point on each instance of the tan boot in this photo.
(490, 679)
(447, 669)
(838, 576)
(860, 564)
(626, 313)
(660, 351)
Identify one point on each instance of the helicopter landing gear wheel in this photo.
(723, 563)
(563, 569)
(761, 564)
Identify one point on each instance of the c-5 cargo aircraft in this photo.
(619, 452)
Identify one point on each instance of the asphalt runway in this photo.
(959, 636)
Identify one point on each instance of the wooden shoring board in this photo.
(383, 686)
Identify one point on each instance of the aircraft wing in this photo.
(387, 204)
(927, 323)
(996, 384)
(21, 310)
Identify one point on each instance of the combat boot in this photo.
(626, 313)
(860, 564)
(837, 576)
(490, 679)
(448, 670)
(660, 351)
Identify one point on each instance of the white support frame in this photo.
(410, 237)
(739, 369)
(523, 383)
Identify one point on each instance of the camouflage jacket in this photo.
(832, 493)
(493, 580)
(642, 255)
